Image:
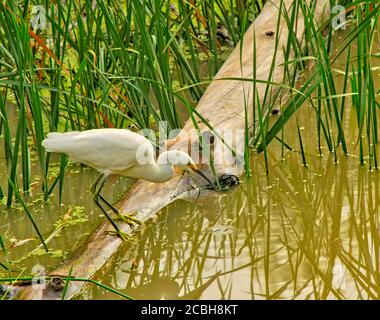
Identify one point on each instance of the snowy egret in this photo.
(121, 152)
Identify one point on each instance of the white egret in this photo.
(121, 152)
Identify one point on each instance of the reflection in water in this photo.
(299, 233)
(64, 227)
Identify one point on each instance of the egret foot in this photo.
(124, 236)
(129, 218)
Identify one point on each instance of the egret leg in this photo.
(96, 193)
(95, 183)
(128, 218)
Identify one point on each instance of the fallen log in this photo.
(222, 105)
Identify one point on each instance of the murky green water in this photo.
(299, 232)
(66, 226)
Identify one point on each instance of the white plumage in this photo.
(118, 151)
(102, 149)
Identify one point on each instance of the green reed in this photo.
(290, 241)
(109, 64)
(137, 55)
(320, 83)
(135, 63)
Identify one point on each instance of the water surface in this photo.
(301, 232)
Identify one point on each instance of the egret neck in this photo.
(159, 171)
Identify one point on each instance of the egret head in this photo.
(184, 162)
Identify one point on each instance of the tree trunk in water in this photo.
(223, 106)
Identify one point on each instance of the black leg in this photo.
(96, 194)
(96, 182)
(126, 218)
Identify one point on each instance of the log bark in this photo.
(222, 105)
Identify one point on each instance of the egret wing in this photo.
(103, 149)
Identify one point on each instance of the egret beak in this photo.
(195, 169)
